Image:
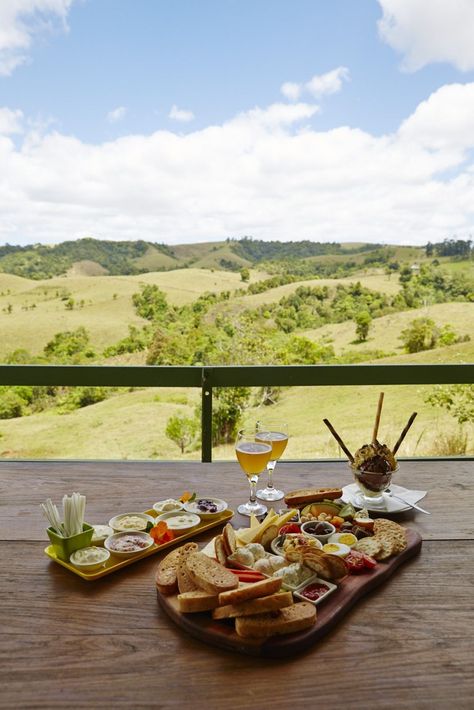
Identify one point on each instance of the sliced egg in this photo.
(344, 538)
(336, 548)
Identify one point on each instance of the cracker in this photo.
(369, 545)
(387, 547)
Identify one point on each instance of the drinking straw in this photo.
(404, 432)
(339, 440)
(377, 418)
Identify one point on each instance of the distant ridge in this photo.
(94, 257)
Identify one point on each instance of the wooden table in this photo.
(107, 644)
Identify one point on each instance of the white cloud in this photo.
(10, 121)
(265, 173)
(319, 85)
(180, 114)
(117, 114)
(427, 31)
(291, 90)
(20, 21)
(329, 83)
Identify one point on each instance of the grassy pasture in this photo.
(107, 309)
(385, 331)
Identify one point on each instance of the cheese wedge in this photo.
(285, 518)
(247, 535)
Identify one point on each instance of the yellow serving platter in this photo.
(114, 564)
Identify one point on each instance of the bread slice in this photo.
(219, 549)
(197, 600)
(251, 591)
(297, 617)
(303, 496)
(273, 602)
(166, 576)
(230, 541)
(185, 583)
(209, 575)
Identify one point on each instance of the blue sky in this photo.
(119, 98)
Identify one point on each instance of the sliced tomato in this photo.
(369, 562)
(355, 562)
(289, 529)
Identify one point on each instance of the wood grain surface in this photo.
(67, 643)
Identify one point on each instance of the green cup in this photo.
(65, 546)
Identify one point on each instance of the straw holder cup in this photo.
(65, 546)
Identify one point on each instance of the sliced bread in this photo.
(185, 583)
(166, 576)
(230, 541)
(297, 617)
(273, 602)
(251, 591)
(304, 496)
(197, 600)
(209, 575)
(220, 551)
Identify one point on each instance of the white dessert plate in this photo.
(351, 494)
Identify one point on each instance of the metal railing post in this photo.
(206, 416)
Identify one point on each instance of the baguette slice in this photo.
(166, 576)
(251, 607)
(197, 600)
(304, 496)
(252, 591)
(209, 575)
(219, 549)
(185, 583)
(230, 541)
(297, 617)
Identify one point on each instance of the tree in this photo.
(226, 414)
(421, 334)
(70, 346)
(363, 322)
(458, 400)
(244, 274)
(182, 430)
(150, 303)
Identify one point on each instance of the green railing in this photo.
(206, 378)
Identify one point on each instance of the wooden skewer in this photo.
(339, 440)
(404, 432)
(377, 418)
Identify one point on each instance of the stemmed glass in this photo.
(252, 456)
(274, 433)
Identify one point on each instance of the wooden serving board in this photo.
(328, 612)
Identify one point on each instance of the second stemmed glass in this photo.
(274, 433)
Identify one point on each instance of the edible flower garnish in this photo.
(187, 497)
(161, 533)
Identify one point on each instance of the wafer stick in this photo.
(404, 432)
(377, 418)
(339, 440)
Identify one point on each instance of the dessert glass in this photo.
(372, 484)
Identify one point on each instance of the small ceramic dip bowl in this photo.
(206, 508)
(126, 522)
(180, 521)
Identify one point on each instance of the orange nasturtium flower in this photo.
(161, 533)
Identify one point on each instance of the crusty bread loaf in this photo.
(304, 496)
(230, 541)
(166, 576)
(197, 600)
(251, 591)
(293, 618)
(209, 575)
(273, 602)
